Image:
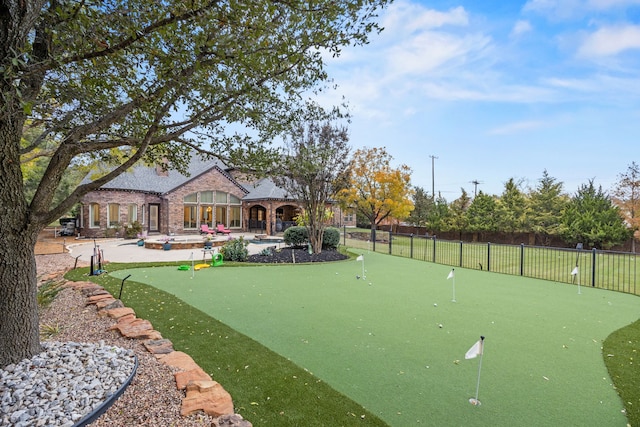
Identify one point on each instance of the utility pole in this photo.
(433, 183)
(475, 182)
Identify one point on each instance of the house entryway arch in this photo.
(285, 217)
(257, 219)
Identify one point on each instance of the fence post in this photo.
(460, 253)
(488, 256)
(411, 250)
(593, 267)
(522, 259)
(434, 248)
(390, 239)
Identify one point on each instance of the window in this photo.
(348, 216)
(206, 197)
(206, 215)
(221, 215)
(190, 216)
(94, 215)
(221, 197)
(234, 216)
(133, 213)
(211, 208)
(113, 214)
(234, 211)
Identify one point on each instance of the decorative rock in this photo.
(163, 346)
(208, 396)
(105, 303)
(63, 383)
(233, 420)
(95, 298)
(139, 328)
(184, 377)
(115, 304)
(179, 360)
(117, 313)
(99, 291)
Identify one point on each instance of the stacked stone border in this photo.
(202, 393)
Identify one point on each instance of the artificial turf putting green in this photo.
(378, 341)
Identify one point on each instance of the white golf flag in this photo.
(474, 351)
(574, 272)
(360, 258)
(450, 274)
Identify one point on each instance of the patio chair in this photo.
(204, 229)
(221, 230)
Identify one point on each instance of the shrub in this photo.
(235, 250)
(266, 252)
(133, 230)
(296, 236)
(331, 238)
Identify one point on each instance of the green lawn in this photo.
(377, 340)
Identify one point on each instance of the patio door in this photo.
(154, 217)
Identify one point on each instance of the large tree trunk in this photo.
(19, 331)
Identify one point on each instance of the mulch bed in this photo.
(287, 255)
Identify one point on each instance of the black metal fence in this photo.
(618, 271)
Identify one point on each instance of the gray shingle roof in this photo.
(265, 188)
(145, 178)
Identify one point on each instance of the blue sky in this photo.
(498, 90)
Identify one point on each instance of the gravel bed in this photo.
(152, 398)
(63, 384)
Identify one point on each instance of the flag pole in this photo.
(454, 288)
(193, 269)
(363, 276)
(576, 273)
(475, 401)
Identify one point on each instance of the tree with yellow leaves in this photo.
(626, 195)
(376, 190)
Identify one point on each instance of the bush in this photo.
(331, 238)
(133, 230)
(296, 236)
(235, 250)
(266, 252)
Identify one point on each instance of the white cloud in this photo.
(432, 50)
(610, 41)
(405, 17)
(521, 27)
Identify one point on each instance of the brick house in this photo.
(167, 202)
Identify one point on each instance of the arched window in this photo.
(211, 208)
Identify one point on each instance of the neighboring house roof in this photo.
(146, 179)
(265, 189)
